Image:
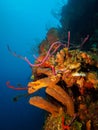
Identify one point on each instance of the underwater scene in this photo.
(49, 65)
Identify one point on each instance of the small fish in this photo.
(32, 77)
(79, 74)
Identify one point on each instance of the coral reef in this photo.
(68, 72)
(70, 79)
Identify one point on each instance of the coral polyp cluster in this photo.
(70, 79)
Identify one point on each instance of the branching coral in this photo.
(46, 57)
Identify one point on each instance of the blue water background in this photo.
(23, 24)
